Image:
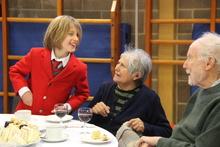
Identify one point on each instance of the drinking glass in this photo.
(85, 115)
(60, 110)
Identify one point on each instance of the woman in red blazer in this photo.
(33, 77)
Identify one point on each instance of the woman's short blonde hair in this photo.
(58, 29)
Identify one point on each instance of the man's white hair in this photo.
(210, 46)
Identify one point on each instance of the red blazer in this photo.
(34, 71)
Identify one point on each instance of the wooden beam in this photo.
(5, 54)
(115, 33)
(88, 60)
(166, 51)
(171, 41)
(47, 20)
(148, 35)
(12, 94)
(59, 7)
(213, 10)
(179, 21)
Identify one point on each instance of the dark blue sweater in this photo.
(144, 105)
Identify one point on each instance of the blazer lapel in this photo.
(68, 69)
(46, 63)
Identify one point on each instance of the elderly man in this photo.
(127, 99)
(200, 125)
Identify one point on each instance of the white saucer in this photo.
(87, 139)
(56, 119)
(64, 138)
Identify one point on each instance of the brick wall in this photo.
(101, 9)
(80, 9)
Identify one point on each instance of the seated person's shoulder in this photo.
(150, 94)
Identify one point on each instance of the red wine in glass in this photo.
(60, 111)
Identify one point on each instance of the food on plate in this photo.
(19, 132)
(98, 135)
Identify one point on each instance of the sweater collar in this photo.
(215, 83)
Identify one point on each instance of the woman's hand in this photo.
(136, 124)
(101, 108)
(27, 98)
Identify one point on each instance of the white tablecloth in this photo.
(73, 130)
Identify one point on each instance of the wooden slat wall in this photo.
(149, 20)
(115, 41)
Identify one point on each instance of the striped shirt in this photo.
(122, 97)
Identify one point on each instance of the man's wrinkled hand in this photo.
(147, 141)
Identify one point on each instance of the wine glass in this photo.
(60, 110)
(85, 115)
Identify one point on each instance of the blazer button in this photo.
(44, 97)
(40, 111)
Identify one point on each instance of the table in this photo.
(72, 130)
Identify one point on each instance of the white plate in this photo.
(64, 138)
(30, 144)
(87, 139)
(25, 145)
(56, 119)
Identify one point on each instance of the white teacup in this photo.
(54, 132)
(23, 114)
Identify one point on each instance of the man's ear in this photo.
(210, 63)
(136, 75)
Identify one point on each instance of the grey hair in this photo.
(210, 46)
(138, 61)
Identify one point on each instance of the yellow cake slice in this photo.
(98, 135)
(19, 132)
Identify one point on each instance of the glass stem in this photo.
(61, 122)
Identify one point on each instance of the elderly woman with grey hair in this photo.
(127, 99)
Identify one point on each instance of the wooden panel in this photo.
(166, 72)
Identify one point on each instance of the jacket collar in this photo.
(46, 63)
